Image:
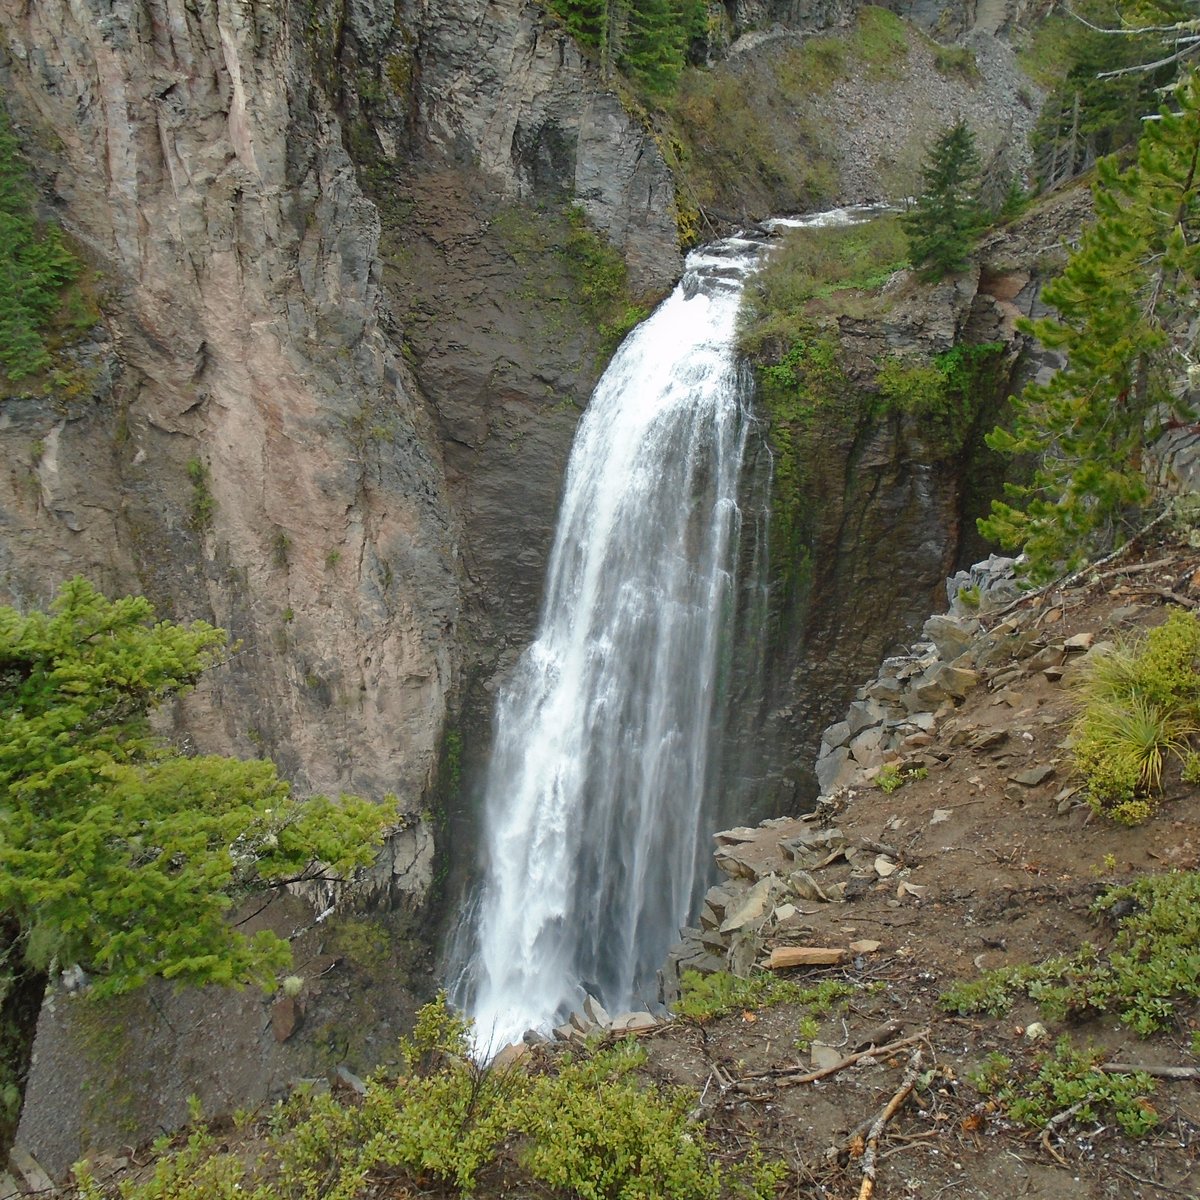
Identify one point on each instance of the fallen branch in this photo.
(1059, 1119)
(889, 1110)
(788, 1077)
(1162, 1187)
(1068, 581)
(1137, 568)
(1162, 593)
(1117, 1068)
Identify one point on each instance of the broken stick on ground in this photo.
(889, 1110)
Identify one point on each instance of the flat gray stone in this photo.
(829, 767)
(596, 1012)
(836, 735)
(1032, 776)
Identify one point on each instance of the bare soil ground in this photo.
(1001, 873)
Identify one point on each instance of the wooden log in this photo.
(783, 957)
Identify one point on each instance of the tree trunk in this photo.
(21, 991)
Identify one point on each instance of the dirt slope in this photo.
(1001, 872)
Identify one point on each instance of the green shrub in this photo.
(36, 269)
(589, 1128)
(719, 993)
(1152, 964)
(1140, 702)
(880, 41)
(203, 505)
(956, 60)
(815, 264)
(1065, 1078)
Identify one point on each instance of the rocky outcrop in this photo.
(884, 505)
(508, 91)
(276, 428)
(902, 724)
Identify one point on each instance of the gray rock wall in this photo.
(187, 150)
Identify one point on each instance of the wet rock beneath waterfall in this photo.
(596, 1012)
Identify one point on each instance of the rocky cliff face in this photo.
(347, 337)
(886, 504)
(321, 410)
(260, 454)
(257, 449)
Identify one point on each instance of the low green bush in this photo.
(1151, 967)
(815, 264)
(586, 1127)
(707, 996)
(1068, 1078)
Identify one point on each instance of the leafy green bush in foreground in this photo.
(589, 1129)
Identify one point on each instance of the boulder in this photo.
(633, 1022)
(830, 768)
(1033, 776)
(865, 748)
(950, 636)
(596, 1012)
(864, 713)
(754, 906)
(836, 735)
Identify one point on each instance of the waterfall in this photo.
(600, 795)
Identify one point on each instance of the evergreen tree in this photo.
(945, 219)
(116, 853)
(585, 20)
(648, 40)
(1123, 304)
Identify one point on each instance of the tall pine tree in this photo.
(945, 219)
(1123, 304)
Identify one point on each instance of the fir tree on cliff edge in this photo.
(945, 219)
(118, 853)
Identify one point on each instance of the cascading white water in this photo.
(599, 801)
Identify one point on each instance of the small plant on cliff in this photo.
(117, 854)
(203, 504)
(1124, 303)
(946, 218)
(35, 268)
